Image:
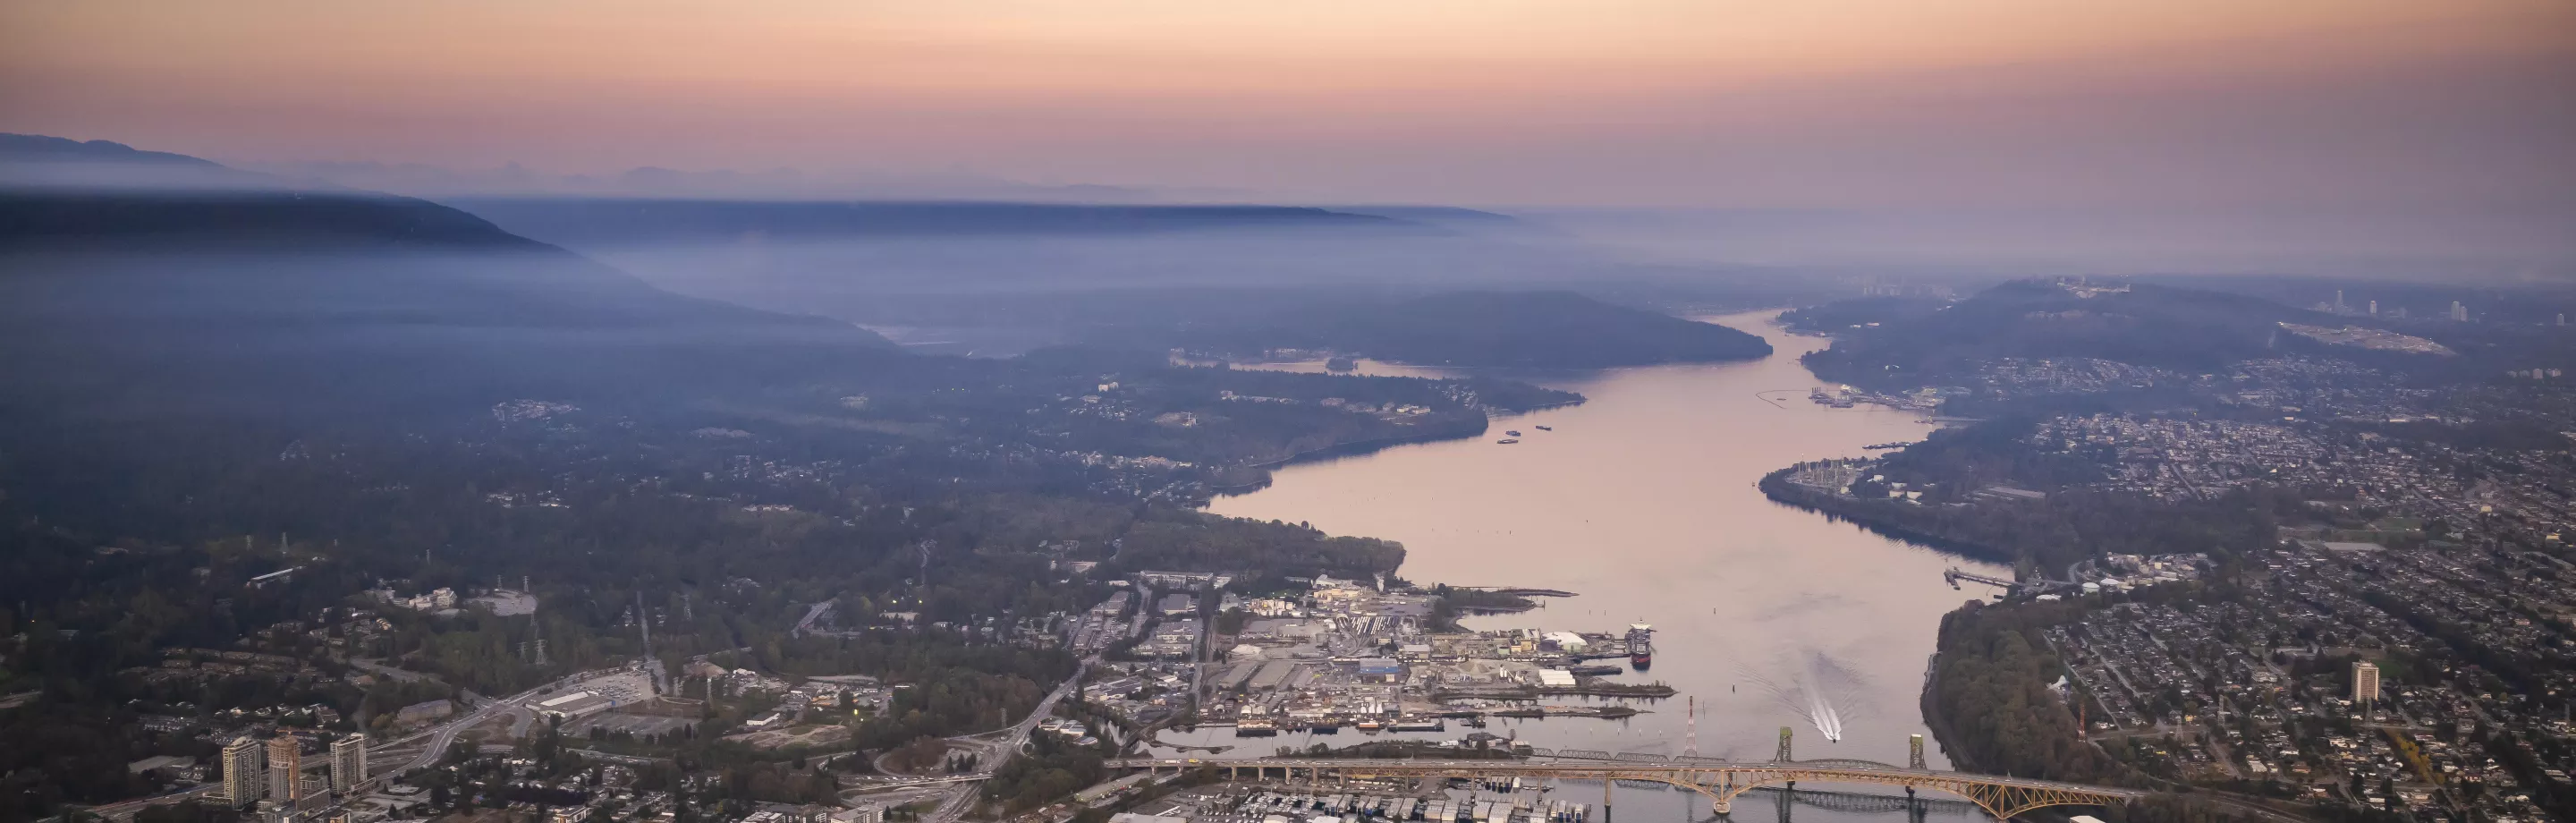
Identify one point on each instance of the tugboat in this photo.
(1544, 428)
(1511, 434)
(1508, 440)
(1641, 646)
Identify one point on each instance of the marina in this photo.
(1491, 801)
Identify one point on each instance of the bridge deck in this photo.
(1721, 780)
(1584, 768)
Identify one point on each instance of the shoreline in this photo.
(1778, 491)
(1358, 448)
(1361, 448)
(1780, 369)
(1927, 702)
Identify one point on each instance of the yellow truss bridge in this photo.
(1721, 780)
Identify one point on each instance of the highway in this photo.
(958, 801)
(994, 752)
(441, 735)
(812, 613)
(126, 809)
(894, 797)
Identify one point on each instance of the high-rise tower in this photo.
(348, 763)
(285, 767)
(241, 771)
(2365, 685)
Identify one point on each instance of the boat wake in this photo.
(1819, 692)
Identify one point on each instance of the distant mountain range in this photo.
(642, 222)
(146, 283)
(513, 180)
(289, 303)
(38, 161)
(37, 148)
(137, 283)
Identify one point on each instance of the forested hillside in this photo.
(2187, 330)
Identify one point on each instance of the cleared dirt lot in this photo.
(817, 736)
(637, 724)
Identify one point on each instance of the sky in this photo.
(2315, 106)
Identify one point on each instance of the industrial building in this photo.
(576, 705)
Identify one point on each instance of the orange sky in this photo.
(1654, 102)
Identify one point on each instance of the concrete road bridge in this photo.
(1721, 780)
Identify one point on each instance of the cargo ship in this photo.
(1641, 645)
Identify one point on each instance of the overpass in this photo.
(1721, 780)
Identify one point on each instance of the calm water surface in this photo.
(1642, 500)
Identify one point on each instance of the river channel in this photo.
(1642, 501)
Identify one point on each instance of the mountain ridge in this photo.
(328, 304)
(610, 222)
